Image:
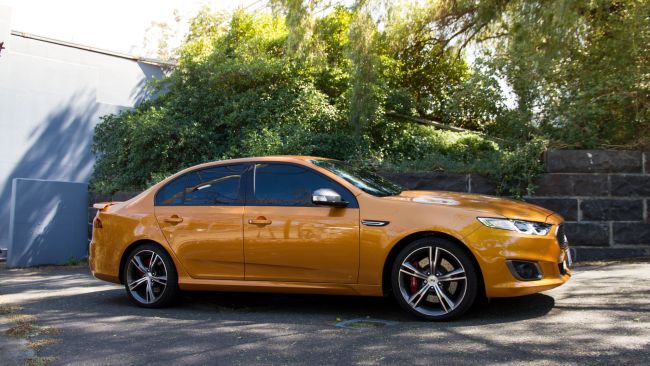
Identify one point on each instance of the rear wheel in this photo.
(150, 277)
(434, 279)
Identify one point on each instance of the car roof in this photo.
(301, 159)
(271, 158)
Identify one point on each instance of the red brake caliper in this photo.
(415, 285)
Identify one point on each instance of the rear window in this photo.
(216, 186)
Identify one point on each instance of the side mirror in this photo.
(327, 197)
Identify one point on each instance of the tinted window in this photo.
(218, 186)
(361, 178)
(172, 193)
(291, 185)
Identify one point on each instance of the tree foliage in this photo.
(307, 78)
(578, 70)
(583, 71)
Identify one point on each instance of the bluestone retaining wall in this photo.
(602, 194)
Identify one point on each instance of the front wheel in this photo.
(150, 278)
(434, 279)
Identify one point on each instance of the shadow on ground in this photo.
(495, 312)
(601, 316)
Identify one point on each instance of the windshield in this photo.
(361, 178)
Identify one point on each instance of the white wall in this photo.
(51, 98)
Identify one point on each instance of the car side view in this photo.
(297, 224)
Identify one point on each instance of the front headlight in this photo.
(524, 227)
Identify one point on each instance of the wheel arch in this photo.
(129, 249)
(392, 255)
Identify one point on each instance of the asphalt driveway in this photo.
(602, 316)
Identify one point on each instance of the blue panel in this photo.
(47, 222)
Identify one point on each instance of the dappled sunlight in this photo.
(33, 295)
(600, 315)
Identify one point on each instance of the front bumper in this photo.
(493, 248)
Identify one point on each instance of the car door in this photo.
(200, 214)
(288, 238)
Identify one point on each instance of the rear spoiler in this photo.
(103, 205)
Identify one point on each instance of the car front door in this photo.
(200, 214)
(288, 238)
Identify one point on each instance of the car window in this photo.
(276, 184)
(361, 178)
(216, 186)
(172, 193)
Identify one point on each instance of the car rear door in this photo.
(288, 238)
(200, 214)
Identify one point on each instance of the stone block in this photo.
(567, 207)
(91, 214)
(430, 181)
(630, 185)
(481, 185)
(611, 209)
(587, 234)
(631, 233)
(597, 254)
(593, 161)
(571, 185)
(96, 197)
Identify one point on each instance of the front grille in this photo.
(561, 237)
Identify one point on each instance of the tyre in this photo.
(434, 279)
(150, 277)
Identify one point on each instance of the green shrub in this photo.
(238, 91)
(517, 169)
(513, 168)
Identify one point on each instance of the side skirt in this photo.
(279, 287)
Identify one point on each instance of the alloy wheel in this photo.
(146, 276)
(432, 281)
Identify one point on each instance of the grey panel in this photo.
(47, 222)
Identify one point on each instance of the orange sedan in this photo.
(301, 224)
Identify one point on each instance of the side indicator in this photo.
(375, 222)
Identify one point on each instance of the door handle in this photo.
(262, 221)
(174, 219)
